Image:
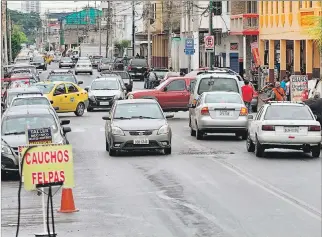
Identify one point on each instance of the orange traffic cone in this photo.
(67, 201)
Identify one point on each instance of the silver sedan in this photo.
(219, 112)
(137, 125)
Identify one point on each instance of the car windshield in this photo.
(12, 95)
(123, 75)
(67, 60)
(139, 62)
(223, 98)
(106, 60)
(217, 84)
(19, 124)
(69, 78)
(38, 59)
(138, 110)
(30, 101)
(45, 88)
(105, 85)
(288, 112)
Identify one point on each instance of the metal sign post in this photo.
(189, 49)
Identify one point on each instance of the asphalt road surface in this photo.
(209, 188)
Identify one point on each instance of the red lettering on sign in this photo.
(39, 178)
(34, 175)
(66, 158)
(47, 158)
(60, 157)
(62, 176)
(53, 157)
(48, 177)
(27, 157)
(51, 175)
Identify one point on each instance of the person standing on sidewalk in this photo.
(248, 93)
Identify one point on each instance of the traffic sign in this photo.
(209, 42)
(189, 48)
(189, 51)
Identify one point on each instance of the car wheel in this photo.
(199, 134)
(259, 149)
(91, 73)
(254, 109)
(192, 132)
(167, 151)
(249, 144)
(316, 150)
(89, 109)
(111, 152)
(107, 147)
(76, 73)
(243, 135)
(80, 109)
(59, 66)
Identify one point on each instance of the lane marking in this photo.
(282, 195)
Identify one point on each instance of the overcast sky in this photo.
(55, 6)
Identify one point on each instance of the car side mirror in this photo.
(86, 88)
(191, 106)
(169, 116)
(65, 122)
(165, 89)
(80, 82)
(51, 102)
(66, 130)
(250, 117)
(56, 108)
(106, 118)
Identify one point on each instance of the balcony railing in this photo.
(244, 24)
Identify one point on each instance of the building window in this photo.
(218, 38)
(283, 7)
(310, 4)
(154, 11)
(301, 4)
(272, 7)
(228, 6)
(251, 6)
(262, 8)
(291, 6)
(266, 4)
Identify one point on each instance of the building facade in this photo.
(284, 42)
(30, 6)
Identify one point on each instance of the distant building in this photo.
(30, 6)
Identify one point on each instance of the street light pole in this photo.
(211, 32)
(133, 28)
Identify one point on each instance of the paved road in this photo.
(210, 188)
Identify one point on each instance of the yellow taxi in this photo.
(67, 96)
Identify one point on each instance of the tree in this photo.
(17, 38)
(123, 44)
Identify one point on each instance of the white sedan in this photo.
(286, 125)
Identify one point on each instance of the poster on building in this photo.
(255, 53)
(298, 86)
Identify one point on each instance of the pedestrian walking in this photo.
(268, 89)
(279, 92)
(247, 93)
(283, 83)
(288, 91)
(152, 79)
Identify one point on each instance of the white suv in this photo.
(287, 125)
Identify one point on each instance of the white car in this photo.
(83, 67)
(287, 125)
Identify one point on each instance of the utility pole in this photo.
(10, 43)
(169, 25)
(189, 32)
(77, 27)
(133, 28)
(211, 32)
(47, 27)
(149, 33)
(4, 30)
(100, 33)
(107, 27)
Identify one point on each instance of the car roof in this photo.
(24, 89)
(107, 78)
(137, 101)
(23, 65)
(29, 109)
(221, 92)
(61, 71)
(27, 96)
(287, 103)
(217, 75)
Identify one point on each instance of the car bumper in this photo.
(137, 74)
(285, 140)
(126, 142)
(83, 70)
(208, 124)
(66, 64)
(95, 104)
(9, 163)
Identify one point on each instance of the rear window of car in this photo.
(62, 77)
(287, 112)
(139, 62)
(66, 60)
(223, 98)
(30, 101)
(217, 84)
(45, 88)
(123, 75)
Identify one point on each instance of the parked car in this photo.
(32, 69)
(39, 62)
(95, 61)
(137, 125)
(138, 68)
(172, 95)
(105, 64)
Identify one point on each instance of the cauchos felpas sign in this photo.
(47, 165)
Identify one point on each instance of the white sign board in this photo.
(298, 85)
(209, 43)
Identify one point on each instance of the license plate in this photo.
(225, 113)
(142, 141)
(291, 129)
(104, 103)
(139, 67)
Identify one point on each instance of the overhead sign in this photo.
(209, 42)
(189, 48)
(48, 165)
(298, 86)
(39, 136)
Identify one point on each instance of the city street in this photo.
(207, 188)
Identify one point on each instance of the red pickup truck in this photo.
(172, 94)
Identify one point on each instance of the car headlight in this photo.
(116, 97)
(5, 149)
(91, 96)
(117, 131)
(130, 96)
(165, 129)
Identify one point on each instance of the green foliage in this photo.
(315, 29)
(29, 22)
(123, 44)
(17, 38)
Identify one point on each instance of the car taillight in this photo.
(129, 68)
(268, 128)
(204, 111)
(314, 128)
(243, 112)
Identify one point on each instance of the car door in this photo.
(73, 95)
(253, 127)
(61, 98)
(173, 95)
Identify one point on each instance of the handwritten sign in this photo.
(39, 136)
(298, 85)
